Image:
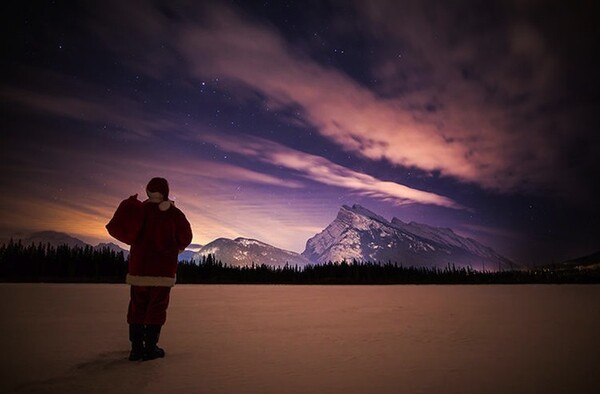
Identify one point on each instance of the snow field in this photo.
(72, 338)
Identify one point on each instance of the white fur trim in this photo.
(163, 206)
(139, 280)
(157, 197)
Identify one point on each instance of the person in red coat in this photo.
(162, 233)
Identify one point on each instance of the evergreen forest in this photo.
(65, 264)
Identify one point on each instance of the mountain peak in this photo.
(358, 233)
(249, 241)
(247, 251)
(54, 238)
(360, 210)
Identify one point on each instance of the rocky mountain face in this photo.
(245, 251)
(360, 234)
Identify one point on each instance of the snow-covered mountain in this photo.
(191, 252)
(356, 233)
(113, 247)
(360, 234)
(245, 251)
(56, 238)
(53, 238)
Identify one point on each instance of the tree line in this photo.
(212, 271)
(48, 263)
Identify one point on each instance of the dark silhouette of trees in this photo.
(209, 270)
(47, 263)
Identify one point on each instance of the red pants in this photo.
(148, 305)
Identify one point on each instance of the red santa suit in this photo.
(153, 256)
(153, 260)
(162, 231)
(157, 231)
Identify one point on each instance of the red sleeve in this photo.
(127, 221)
(183, 231)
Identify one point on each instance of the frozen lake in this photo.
(69, 338)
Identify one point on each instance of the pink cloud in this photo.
(321, 170)
(446, 100)
(465, 138)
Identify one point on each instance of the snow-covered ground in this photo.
(307, 339)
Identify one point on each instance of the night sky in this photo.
(267, 116)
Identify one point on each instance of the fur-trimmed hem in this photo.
(139, 280)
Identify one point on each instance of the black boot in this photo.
(151, 351)
(136, 336)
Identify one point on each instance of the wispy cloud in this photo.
(455, 92)
(116, 111)
(456, 122)
(133, 119)
(81, 199)
(195, 170)
(341, 109)
(321, 170)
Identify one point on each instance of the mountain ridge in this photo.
(57, 238)
(247, 251)
(358, 233)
